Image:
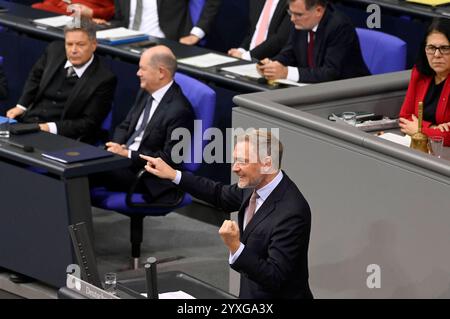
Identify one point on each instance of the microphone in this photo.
(25, 148)
(151, 278)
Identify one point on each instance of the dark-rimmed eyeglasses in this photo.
(443, 49)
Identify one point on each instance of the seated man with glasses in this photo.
(322, 46)
(429, 84)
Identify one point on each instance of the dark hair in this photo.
(82, 24)
(312, 3)
(437, 25)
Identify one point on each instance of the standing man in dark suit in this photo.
(268, 32)
(169, 19)
(323, 46)
(269, 245)
(160, 108)
(68, 92)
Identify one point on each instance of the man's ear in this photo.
(267, 167)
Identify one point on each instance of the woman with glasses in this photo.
(429, 85)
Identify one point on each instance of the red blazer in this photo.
(417, 89)
(103, 9)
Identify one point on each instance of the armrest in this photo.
(131, 191)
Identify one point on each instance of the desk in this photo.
(167, 282)
(36, 209)
(372, 201)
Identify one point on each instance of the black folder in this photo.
(77, 154)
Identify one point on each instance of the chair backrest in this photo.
(203, 101)
(195, 9)
(382, 52)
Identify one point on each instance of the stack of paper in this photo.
(56, 22)
(120, 36)
(399, 139)
(432, 3)
(207, 60)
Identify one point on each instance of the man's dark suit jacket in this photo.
(87, 105)
(278, 32)
(337, 54)
(274, 262)
(174, 17)
(173, 111)
(3, 85)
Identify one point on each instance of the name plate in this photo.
(86, 289)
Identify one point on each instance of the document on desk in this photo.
(207, 60)
(432, 3)
(399, 139)
(120, 35)
(289, 82)
(56, 22)
(77, 154)
(173, 295)
(247, 70)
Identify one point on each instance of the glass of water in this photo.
(110, 282)
(349, 118)
(436, 144)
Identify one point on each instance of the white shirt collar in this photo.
(265, 191)
(159, 94)
(79, 70)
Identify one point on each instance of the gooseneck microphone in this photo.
(151, 278)
(25, 148)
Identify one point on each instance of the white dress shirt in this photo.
(246, 54)
(150, 20)
(157, 97)
(293, 73)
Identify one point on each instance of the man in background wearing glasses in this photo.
(322, 46)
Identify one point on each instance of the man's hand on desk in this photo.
(272, 70)
(14, 112)
(44, 127)
(117, 149)
(235, 53)
(409, 127)
(189, 39)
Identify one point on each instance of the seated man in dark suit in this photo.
(68, 92)
(165, 19)
(268, 32)
(322, 46)
(269, 244)
(160, 108)
(3, 85)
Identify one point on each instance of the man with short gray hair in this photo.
(68, 92)
(160, 108)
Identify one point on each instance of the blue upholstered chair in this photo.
(382, 52)
(203, 100)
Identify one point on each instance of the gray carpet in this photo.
(203, 253)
